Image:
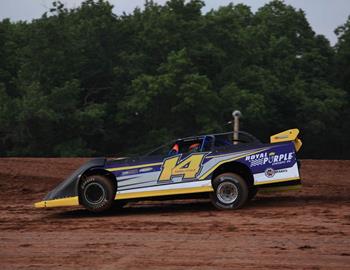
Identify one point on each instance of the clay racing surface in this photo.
(307, 229)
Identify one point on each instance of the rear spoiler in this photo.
(288, 135)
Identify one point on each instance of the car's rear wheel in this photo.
(97, 193)
(230, 191)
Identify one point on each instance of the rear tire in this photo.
(230, 191)
(97, 193)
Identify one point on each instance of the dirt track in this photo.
(308, 229)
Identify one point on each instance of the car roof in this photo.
(217, 134)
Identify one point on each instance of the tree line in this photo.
(86, 82)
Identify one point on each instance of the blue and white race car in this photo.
(229, 170)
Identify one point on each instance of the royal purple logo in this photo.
(269, 158)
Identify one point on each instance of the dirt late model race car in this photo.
(230, 170)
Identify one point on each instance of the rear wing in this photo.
(288, 135)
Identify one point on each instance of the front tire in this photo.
(230, 191)
(97, 193)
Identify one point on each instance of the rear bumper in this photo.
(69, 201)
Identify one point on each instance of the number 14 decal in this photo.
(187, 168)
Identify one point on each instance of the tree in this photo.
(342, 75)
(163, 104)
(343, 56)
(84, 81)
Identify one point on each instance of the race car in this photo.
(230, 169)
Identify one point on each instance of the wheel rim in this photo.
(227, 192)
(94, 193)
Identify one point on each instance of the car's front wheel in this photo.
(97, 193)
(230, 191)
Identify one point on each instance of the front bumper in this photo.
(70, 201)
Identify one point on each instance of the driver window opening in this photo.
(191, 146)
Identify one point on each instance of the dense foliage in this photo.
(87, 82)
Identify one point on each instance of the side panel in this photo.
(181, 174)
(276, 164)
(178, 174)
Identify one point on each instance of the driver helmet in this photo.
(193, 147)
(175, 148)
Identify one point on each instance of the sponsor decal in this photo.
(281, 171)
(269, 172)
(271, 158)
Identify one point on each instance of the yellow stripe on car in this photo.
(69, 201)
(154, 193)
(277, 180)
(133, 167)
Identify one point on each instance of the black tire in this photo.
(230, 191)
(97, 193)
(251, 193)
